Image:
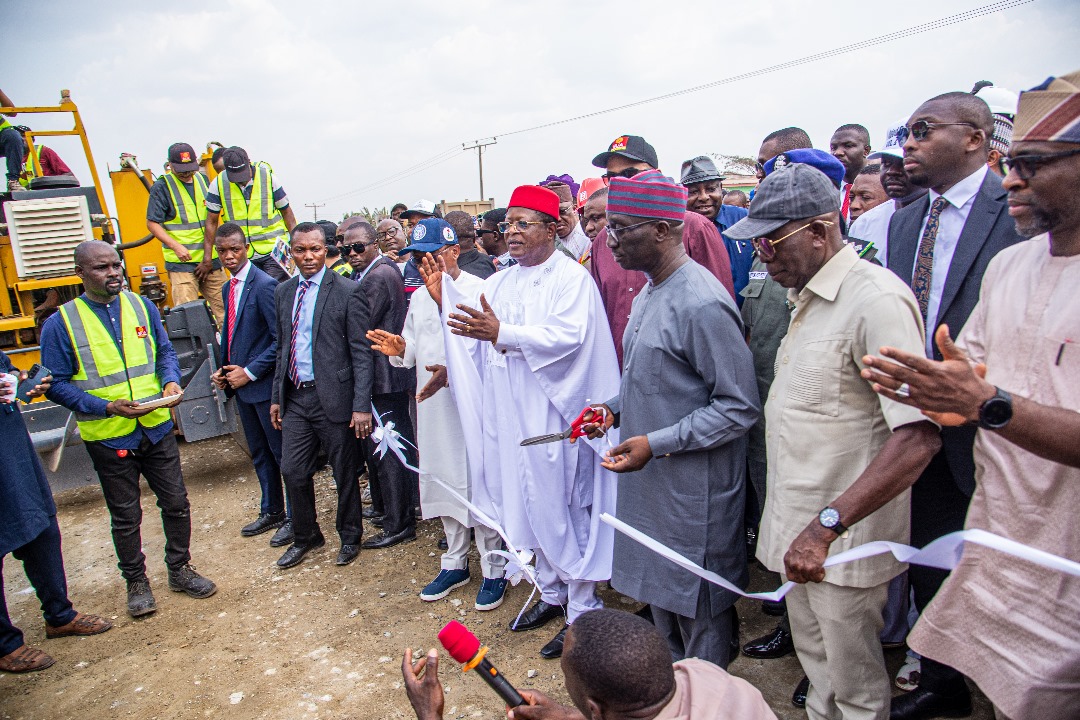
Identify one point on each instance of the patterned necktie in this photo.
(924, 261)
(232, 312)
(294, 373)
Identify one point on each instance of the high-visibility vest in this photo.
(187, 227)
(342, 268)
(28, 173)
(261, 221)
(105, 374)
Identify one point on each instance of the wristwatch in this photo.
(829, 518)
(996, 412)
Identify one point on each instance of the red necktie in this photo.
(232, 312)
(846, 200)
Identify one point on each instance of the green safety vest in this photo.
(106, 375)
(261, 221)
(187, 226)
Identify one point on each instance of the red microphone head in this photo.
(459, 642)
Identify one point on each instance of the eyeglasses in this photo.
(921, 128)
(1025, 166)
(627, 173)
(519, 225)
(387, 234)
(616, 231)
(766, 248)
(358, 248)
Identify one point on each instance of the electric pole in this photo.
(479, 146)
(315, 208)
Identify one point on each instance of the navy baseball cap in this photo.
(819, 159)
(430, 235)
(794, 192)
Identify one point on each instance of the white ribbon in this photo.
(943, 553)
(517, 568)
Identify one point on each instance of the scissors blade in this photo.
(541, 439)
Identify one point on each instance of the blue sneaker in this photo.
(491, 593)
(441, 586)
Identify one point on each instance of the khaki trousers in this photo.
(185, 288)
(836, 632)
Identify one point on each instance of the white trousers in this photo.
(578, 596)
(457, 541)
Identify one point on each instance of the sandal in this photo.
(25, 659)
(81, 624)
(908, 677)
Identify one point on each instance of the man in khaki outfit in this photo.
(839, 455)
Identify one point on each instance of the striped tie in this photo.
(924, 261)
(232, 313)
(294, 373)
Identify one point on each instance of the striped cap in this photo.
(1050, 112)
(649, 194)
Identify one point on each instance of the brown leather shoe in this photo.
(81, 624)
(25, 659)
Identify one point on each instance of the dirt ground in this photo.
(315, 641)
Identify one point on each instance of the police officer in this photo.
(176, 216)
(248, 195)
(109, 352)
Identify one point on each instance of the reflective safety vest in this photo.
(105, 374)
(187, 227)
(28, 173)
(261, 221)
(342, 269)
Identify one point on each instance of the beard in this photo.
(1042, 221)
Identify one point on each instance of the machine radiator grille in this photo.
(44, 234)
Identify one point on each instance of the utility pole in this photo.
(479, 146)
(315, 208)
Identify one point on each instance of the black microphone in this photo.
(464, 647)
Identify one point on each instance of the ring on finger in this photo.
(904, 390)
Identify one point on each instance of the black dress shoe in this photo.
(537, 616)
(263, 523)
(370, 513)
(382, 540)
(296, 553)
(347, 555)
(798, 698)
(378, 522)
(775, 609)
(554, 648)
(443, 545)
(921, 703)
(284, 536)
(776, 644)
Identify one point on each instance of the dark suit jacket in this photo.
(254, 342)
(342, 356)
(988, 231)
(385, 290)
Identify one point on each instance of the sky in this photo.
(342, 97)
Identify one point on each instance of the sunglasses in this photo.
(1025, 166)
(358, 248)
(766, 248)
(520, 225)
(921, 128)
(627, 174)
(615, 232)
(482, 232)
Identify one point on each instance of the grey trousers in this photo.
(705, 636)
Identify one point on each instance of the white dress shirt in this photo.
(241, 278)
(960, 197)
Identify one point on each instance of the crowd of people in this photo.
(777, 381)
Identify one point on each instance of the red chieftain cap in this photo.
(456, 638)
(534, 197)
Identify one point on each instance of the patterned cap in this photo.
(1003, 131)
(1050, 112)
(649, 194)
(560, 179)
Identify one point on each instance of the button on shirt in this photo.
(304, 361)
(961, 198)
(825, 423)
(59, 356)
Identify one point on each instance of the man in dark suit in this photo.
(941, 245)
(321, 392)
(391, 484)
(248, 354)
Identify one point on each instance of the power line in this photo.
(430, 162)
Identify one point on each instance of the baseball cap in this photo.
(429, 235)
(699, 169)
(819, 159)
(237, 165)
(628, 146)
(793, 192)
(893, 146)
(182, 158)
(420, 207)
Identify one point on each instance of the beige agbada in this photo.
(1011, 626)
(705, 692)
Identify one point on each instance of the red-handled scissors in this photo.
(574, 431)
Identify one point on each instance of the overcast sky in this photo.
(339, 95)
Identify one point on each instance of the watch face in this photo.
(996, 412)
(829, 517)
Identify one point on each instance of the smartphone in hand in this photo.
(34, 376)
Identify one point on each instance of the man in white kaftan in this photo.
(526, 362)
